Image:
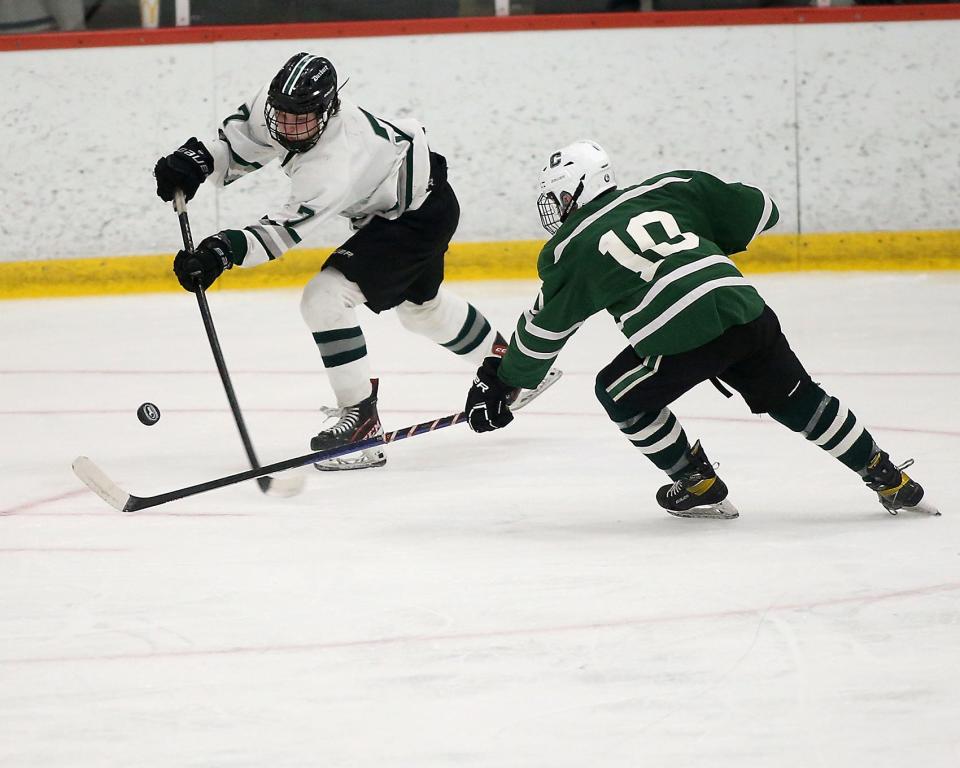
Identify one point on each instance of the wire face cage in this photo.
(295, 132)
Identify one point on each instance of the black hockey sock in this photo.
(826, 422)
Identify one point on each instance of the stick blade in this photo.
(281, 487)
(97, 481)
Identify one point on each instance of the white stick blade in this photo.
(284, 487)
(97, 481)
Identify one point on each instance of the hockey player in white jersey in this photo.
(380, 174)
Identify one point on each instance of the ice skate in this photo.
(699, 492)
(895, 490)
(352, 424)
(526, 396)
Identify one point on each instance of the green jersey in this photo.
(656, 257)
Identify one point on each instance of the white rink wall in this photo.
(851, 127)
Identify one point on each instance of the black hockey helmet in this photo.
(301, 99)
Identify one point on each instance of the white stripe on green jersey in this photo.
(661, 319)
(533, 354)
(531, 328)
(362, 166)
(656, 258)
(663, 282)
(622, 197)
(768, 209)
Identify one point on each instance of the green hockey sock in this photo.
(660, 438)
(826, 422)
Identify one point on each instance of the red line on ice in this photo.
(408, 411)
(44, 500)
(490, 634)
(320, 372)
(19, 550)
(107, 512)
(34, 503)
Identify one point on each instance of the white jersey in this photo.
(362, 166)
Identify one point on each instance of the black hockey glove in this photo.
(204, 265)
(488, 399)
(185, 169)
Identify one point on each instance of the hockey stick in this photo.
(287, 486)
(98, 482)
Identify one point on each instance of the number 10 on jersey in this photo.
(611, 244)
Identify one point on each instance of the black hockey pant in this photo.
(755, 360)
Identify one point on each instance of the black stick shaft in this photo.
(181, 208)
(144, 502)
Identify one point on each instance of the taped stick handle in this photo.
(180, 206)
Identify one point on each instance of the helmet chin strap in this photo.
(572, 205)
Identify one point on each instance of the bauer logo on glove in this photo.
(199, 270)
(487, 406)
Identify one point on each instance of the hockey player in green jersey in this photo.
(656, 256)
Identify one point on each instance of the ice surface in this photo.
(511, 599)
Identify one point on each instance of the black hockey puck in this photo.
(148, 414)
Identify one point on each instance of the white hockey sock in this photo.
(451, 322)
(327, 307)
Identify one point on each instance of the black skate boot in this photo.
(353, 423)
(699, 492)
(525, 396)
(894, 487)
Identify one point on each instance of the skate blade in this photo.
(920, 509)
(342, 465)
(723, 510)
(527, 396)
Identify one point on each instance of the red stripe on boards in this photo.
(459, 25)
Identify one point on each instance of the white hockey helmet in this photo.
(573, 176)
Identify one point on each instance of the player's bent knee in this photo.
(600, 389)
(419, 317)
(325, 299)
(798, 408)
(621, 408)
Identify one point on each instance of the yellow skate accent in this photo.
(890, 492)
(702, 487)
